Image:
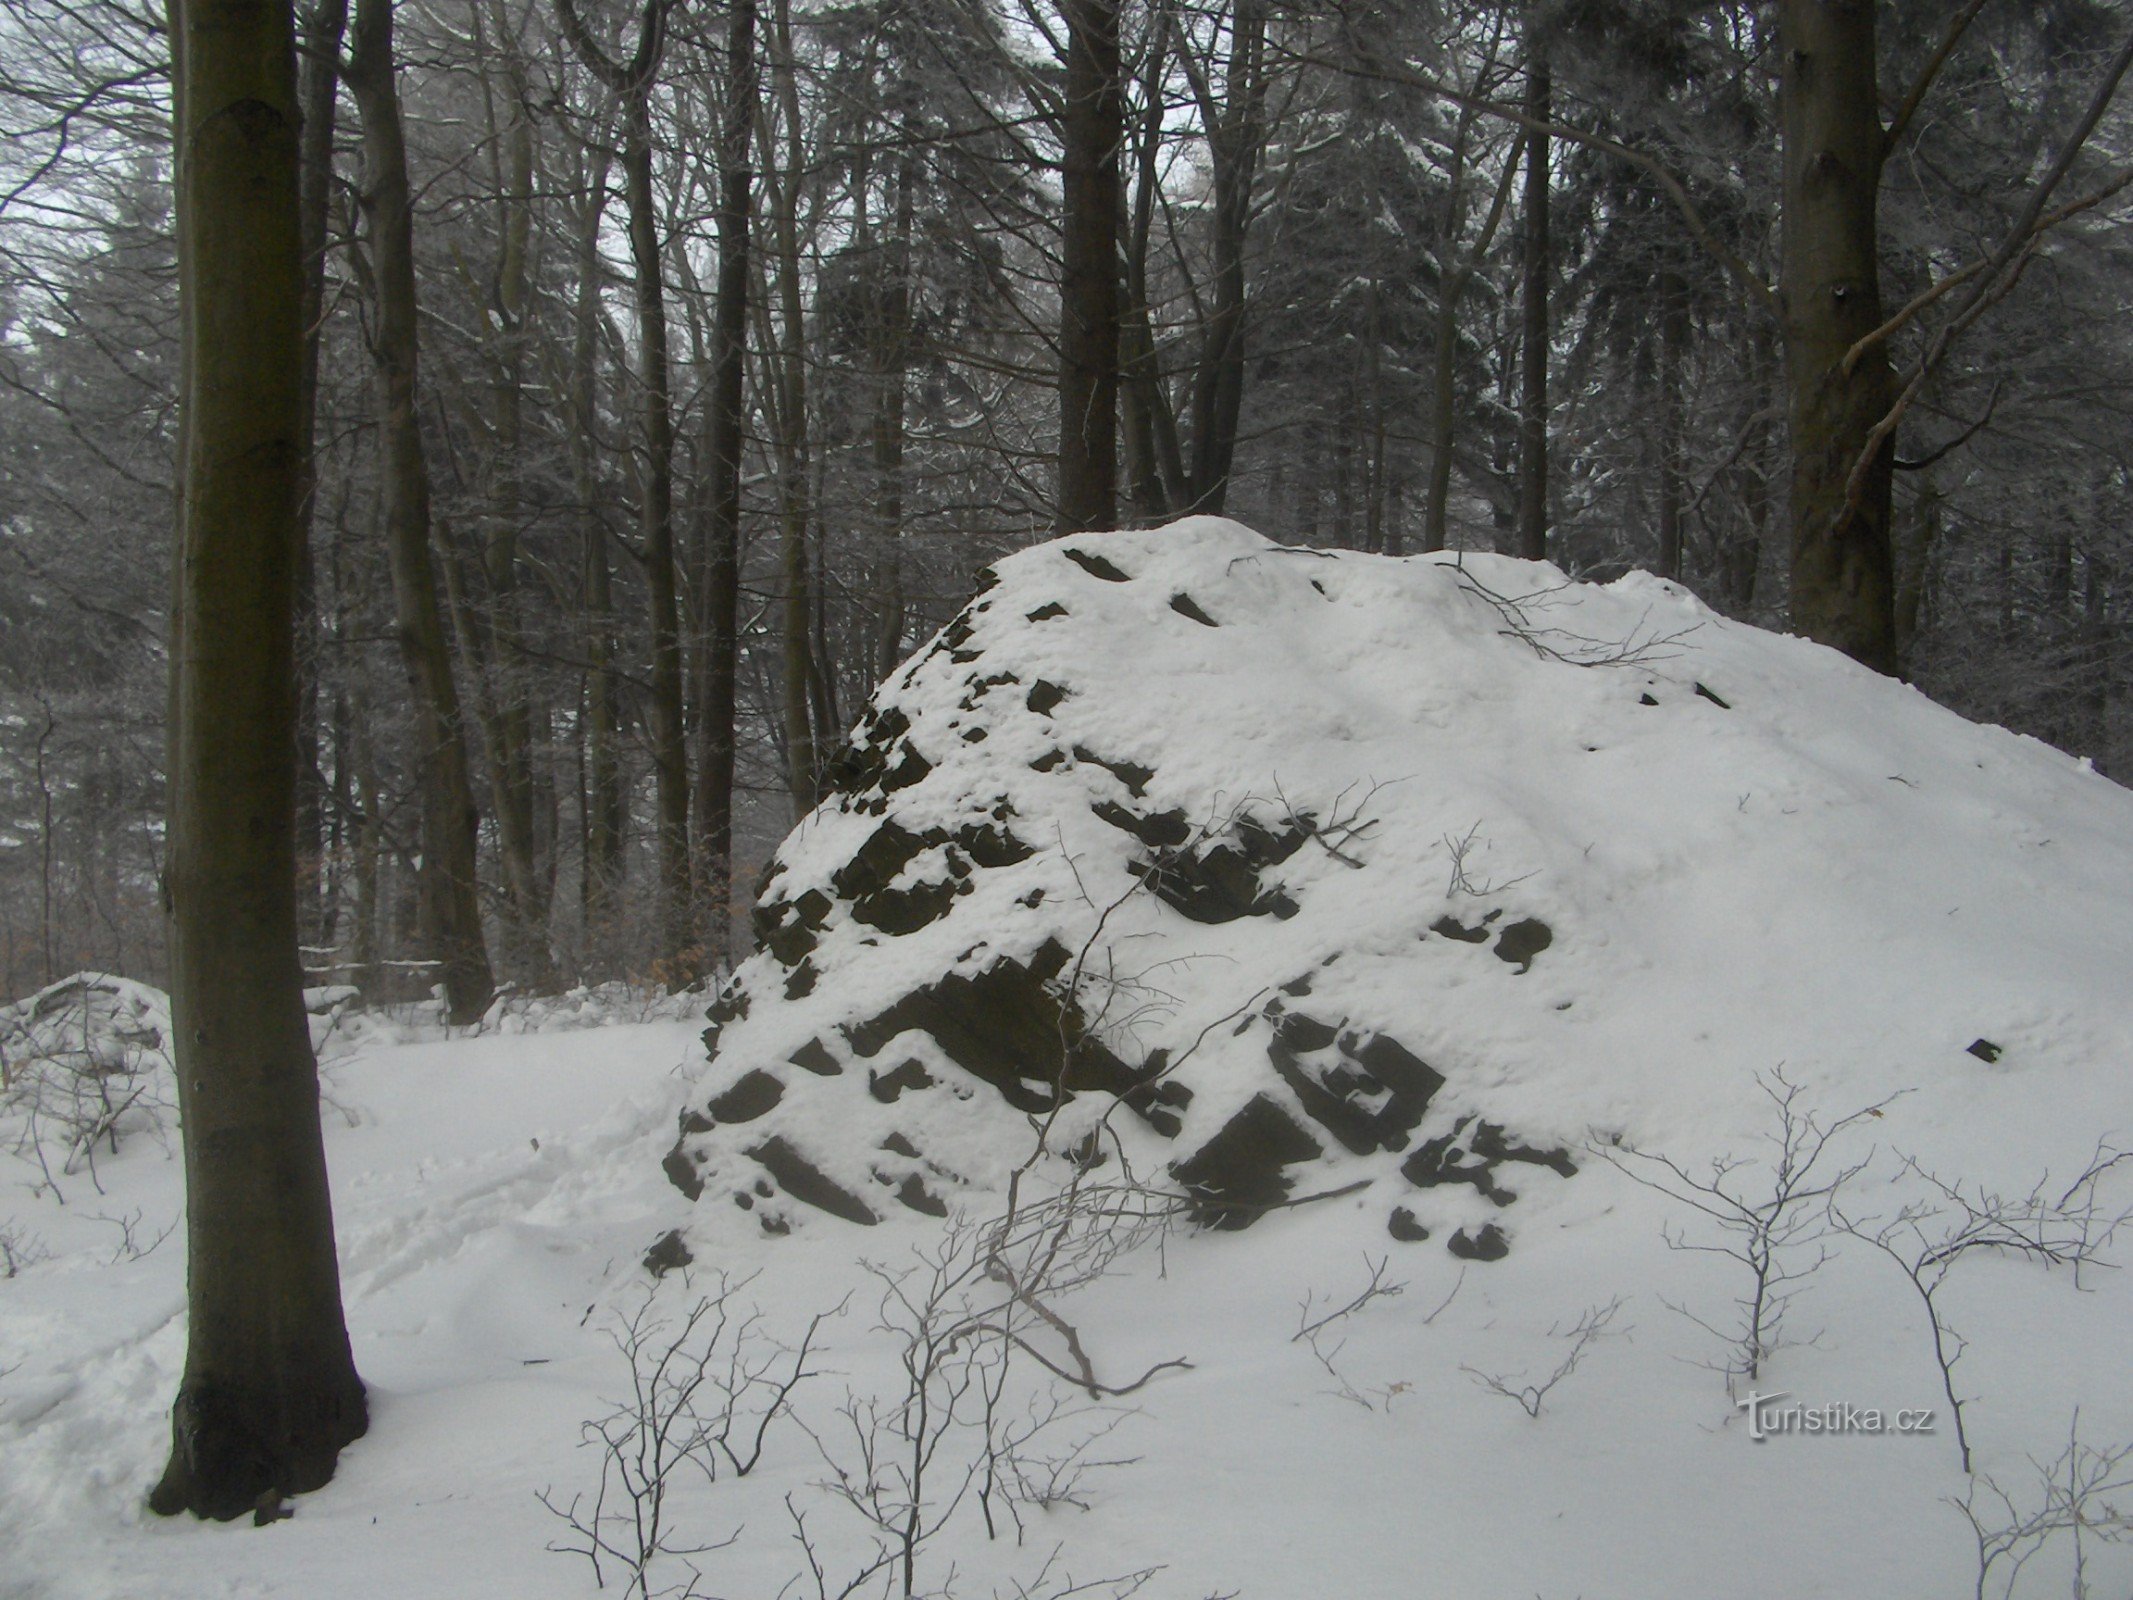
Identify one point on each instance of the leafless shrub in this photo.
(1462, 850)
(20, 1248)
(704, 1391)
(134, 1241)
(86, 1062)
(1320, 1327)
(1955, 1219)
(1593, 1324)
(1641, 648)
(1771, 1214)
(2069, 1495)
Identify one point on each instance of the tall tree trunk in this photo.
(450, 904)
(318, 90)
(508, 729)
(1843, 581)
(632, 82)
(1533, 319)
(725, 432)
(1233, 141)
(1673, 445)
(1092, 126)
(891, 363)
(270, 1393)
(796, 611)
(606, 802)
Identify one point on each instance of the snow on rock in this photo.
(1271, 871)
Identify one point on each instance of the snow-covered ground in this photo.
(1835, 878)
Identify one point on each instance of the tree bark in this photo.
(449, 902)
(1234, 138)
(507, 728)
(1673, 444)
(631, 81)
(790, 435)
(1843, 581)
(1092, 127)
(269, 1393)
(318, 86)
(717, 734)
(892, 359)
(606, 807)
(1532, 527)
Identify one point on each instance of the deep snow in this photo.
(1828, 875)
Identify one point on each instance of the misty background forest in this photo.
(674, 371)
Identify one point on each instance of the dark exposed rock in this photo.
(806, 1182)
(1047, 761)
(901, 911)
(1236, 1177)
(815, 1057)
(1185, 606)
(992, 846)
(669, 1254)
(981, 687)
(1403, 1226)
(1522, 941)
(1216, 880)
(910, 768)
(800, 982)
(867, 880)
(1452, 928)
(1157, 830)
(1130, 773)
(1984, 1049)
(1471, 1153)
(1044, 697)
(1646, 700)
(897, 1145)
(1486, 1243)
(730, 1006)
(887, 1086)
(1411, 1079)
(1300, 1032)
(1005, 1025)
(696, 1122)
(914, 1193)
(1723, 705)
(1047, 611)
(680, 1169)
(887, 851)
(1370, 1096)
(860, 763)
(1159, 1102)
(788, 928)
(753, 1094)
(1095, 566)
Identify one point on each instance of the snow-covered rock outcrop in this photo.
(1276, 871)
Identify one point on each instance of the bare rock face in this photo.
(1068, 885)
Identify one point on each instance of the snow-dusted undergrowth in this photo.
(1752, 858)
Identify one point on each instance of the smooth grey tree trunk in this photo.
(1092, 129)
(1843, 570)
(269, 1394)
(449, 897)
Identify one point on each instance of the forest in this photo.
(673, 372)
(1246, 655)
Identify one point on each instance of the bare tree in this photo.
(270, 1393)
